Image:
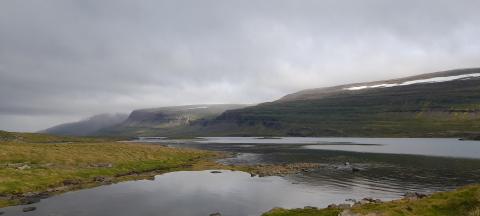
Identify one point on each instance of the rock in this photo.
(355, 169)
(216, 214)
(215, 171)
(24, 167)
(332, 206)
(307, 170)
(362, 202)
(30, 200)
(60, 188)
(19, 166)
(414, 195)
(351, 200)
(102, 179)
(28, 209)
(101, 165)
(71, 182)
(1, 213)
(344, 206)
(367, 200)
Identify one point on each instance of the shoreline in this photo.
(461, 201)
(32, 197)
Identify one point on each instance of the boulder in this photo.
(30, 200)
(71, 182)
(102, 179)
(215, 172)
(24, 167)
(414, 195)
(216, 214)
(28, 209)
(344, 206)
(351, 200)
(332, 206)
(101, 165)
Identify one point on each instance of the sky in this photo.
(64, 60)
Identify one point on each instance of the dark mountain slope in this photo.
(448, 108)
(167, 120)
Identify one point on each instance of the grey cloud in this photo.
(63, 60)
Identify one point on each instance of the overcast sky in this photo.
(66, 60)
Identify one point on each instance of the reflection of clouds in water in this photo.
(189, 193)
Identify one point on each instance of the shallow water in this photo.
(189, 193)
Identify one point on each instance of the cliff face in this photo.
(164, 120)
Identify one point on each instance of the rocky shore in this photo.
(343, 209)
(282, 169)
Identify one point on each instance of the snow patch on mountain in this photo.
(429, 80)
(202, 107)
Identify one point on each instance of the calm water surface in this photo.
(189, 193)
(449, 147)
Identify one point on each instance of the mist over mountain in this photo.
(87, 126)
(167, 120)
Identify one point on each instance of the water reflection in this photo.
(191, 193)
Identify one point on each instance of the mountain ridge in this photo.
(431, 109)
(439, 104)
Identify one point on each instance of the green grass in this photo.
(303, 212)
(462, 202)
(52, 160)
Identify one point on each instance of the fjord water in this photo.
(448, 147)
(391, 166)
(388, 169)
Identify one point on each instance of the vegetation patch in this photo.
(307, 211)
(464, 201)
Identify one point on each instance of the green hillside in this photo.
(440, 109)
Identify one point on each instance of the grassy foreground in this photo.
(461, 202)
(34, 163)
